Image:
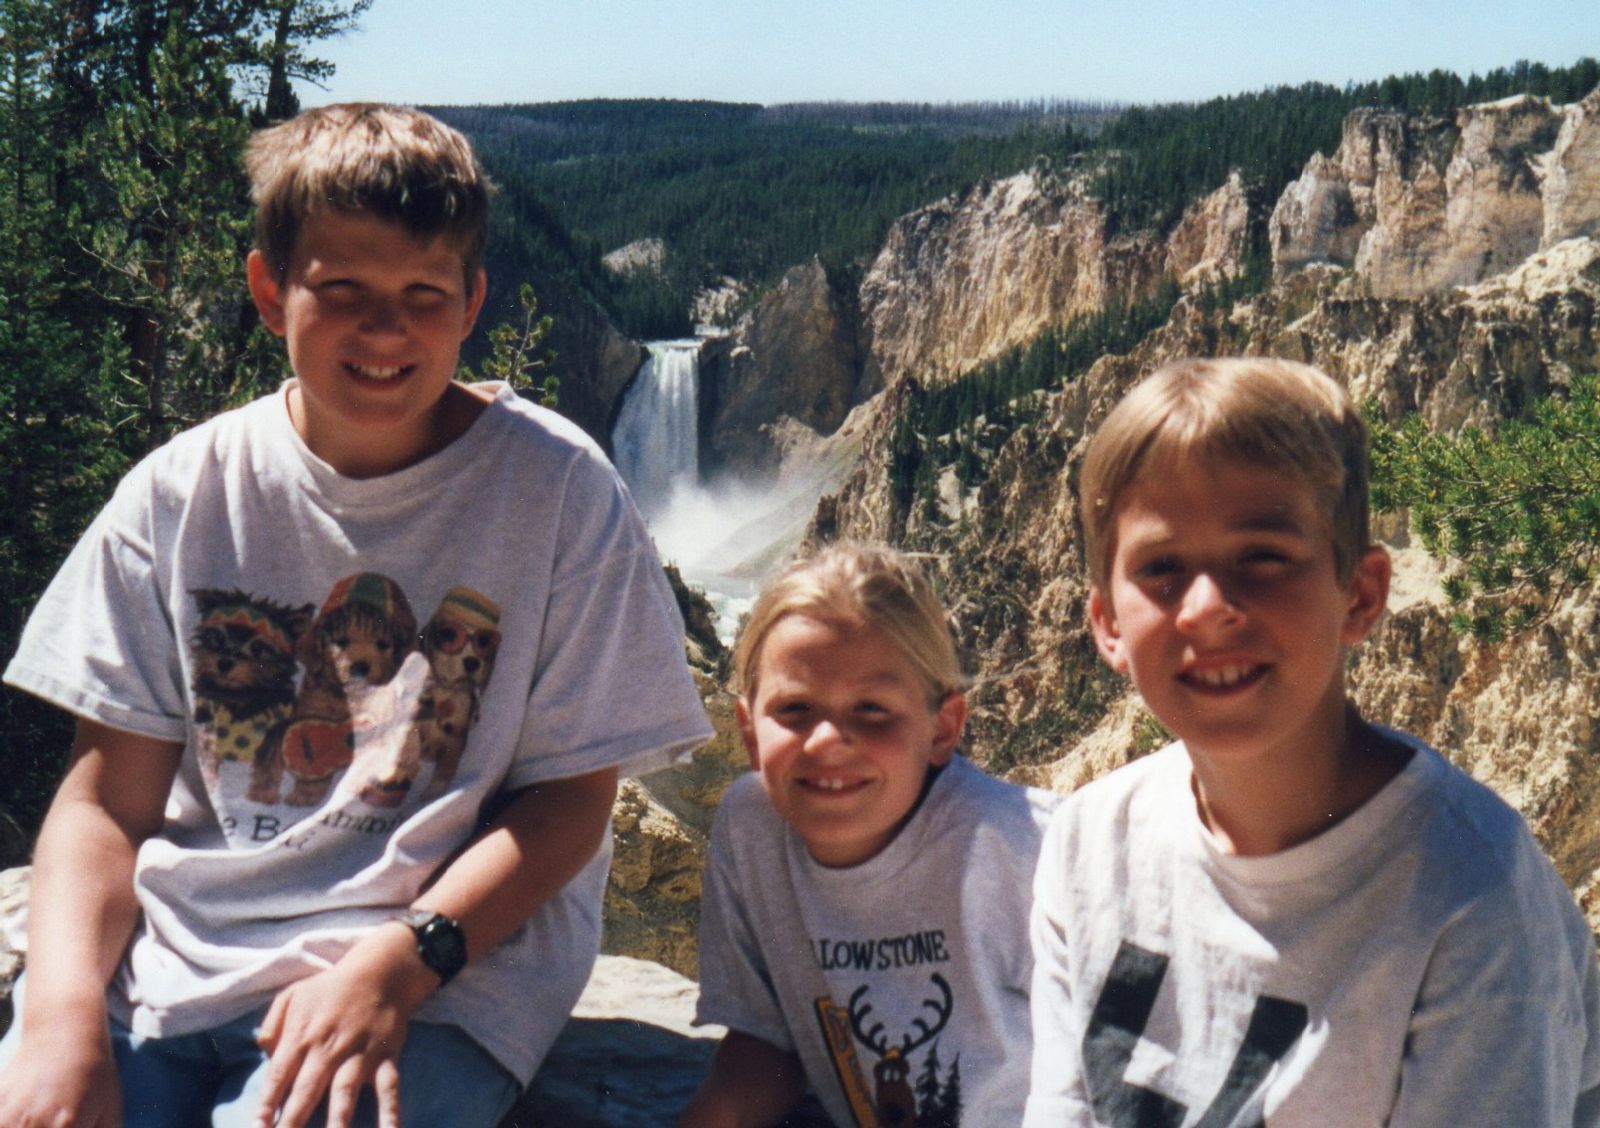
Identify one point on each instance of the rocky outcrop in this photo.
(963, 280)
(966, 279)
(1415, 204)
(795, 357)
(639, 255)
(1213, 237)
(715, 304)
(661, 825)
(1572, 175)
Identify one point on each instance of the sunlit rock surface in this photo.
(1417, 204)
(795, 357)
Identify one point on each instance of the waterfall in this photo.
(654, 439)
(726, 536)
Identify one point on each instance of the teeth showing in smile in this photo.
(376, 372)
(828, 784)
(1222, 676)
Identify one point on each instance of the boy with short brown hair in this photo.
(346, 663)
(1291, 916)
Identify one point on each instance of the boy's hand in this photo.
(61, 1079)
(341, 1030)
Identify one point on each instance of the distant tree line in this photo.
(950, 117)
(731, 189)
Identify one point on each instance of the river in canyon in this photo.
(726, 535)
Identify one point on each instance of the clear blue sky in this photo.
(472, 51)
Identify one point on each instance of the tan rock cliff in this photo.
(1572, 175)
(1416, 204)
(795, 357)
(962, 280)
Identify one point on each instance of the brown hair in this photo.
(863, 585)
(393, 162)
(1260, 410)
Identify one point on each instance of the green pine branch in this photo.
(1515, 513)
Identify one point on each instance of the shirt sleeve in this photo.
(1056, 1093)
(611, 684)
(1509, 997)
(101, 643)
(736, 988)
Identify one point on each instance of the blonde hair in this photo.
(860, 585)
(1266, 412)
(392, 162)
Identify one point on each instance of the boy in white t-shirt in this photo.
(1291, 917)
(356, 668)
(863, 925)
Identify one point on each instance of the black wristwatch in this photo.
(440, 942)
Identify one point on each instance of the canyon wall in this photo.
(594, 361)
(1417, 204)
(795, 359)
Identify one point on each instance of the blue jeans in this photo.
(214, 1078)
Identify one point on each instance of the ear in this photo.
(747, 731)
(948, 723)
(475, 295)
(1107, 637)
(267, 292)
(1369, 594)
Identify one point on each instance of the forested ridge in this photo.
(747, 191)
(735, 189)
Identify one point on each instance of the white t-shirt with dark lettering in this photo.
(359, 670)
(1418, 965)
(902, 982)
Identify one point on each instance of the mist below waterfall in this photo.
(726, 535)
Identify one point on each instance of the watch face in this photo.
(442, 946)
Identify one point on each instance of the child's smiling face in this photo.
(374, 319)
(841, 729)
(1224, 606)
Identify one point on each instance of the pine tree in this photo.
(1516, 513)
(948, 1107)
(927, 1087)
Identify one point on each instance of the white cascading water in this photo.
(654, 439)
(726, 536)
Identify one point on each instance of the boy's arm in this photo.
(752, 1084)
(343, 1028)
(81, 913)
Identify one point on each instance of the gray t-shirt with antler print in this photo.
(902, 982)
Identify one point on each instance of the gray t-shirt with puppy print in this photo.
(358, 669)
